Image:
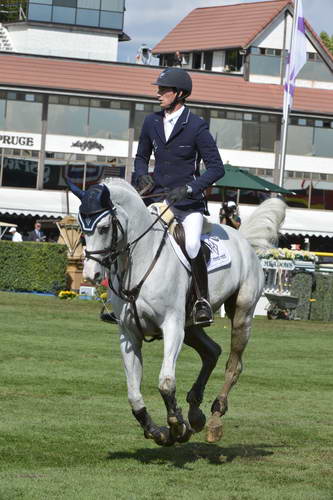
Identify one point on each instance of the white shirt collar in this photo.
(174, 116)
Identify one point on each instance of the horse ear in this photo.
(105, 197)
(75, 189)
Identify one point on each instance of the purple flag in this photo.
(296, 57)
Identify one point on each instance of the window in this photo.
(196, 60)
(227, 133)
(39, 12)
(63, 15)
(299, 140)
(65, 3)
(89, 4)
(24, 116)
(109, 123)
(112, 5)
(67, 120)
(208, 60)
(87, 17)
(2, 113)
(233, 60)
(111, 20)
(322, 142)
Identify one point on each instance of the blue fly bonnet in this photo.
(96, 204)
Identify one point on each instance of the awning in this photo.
(36, 202)
(298, 220)
(238, 178)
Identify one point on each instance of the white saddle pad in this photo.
(219, 255)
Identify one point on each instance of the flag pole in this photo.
(286, 102)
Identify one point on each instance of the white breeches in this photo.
(192, 223)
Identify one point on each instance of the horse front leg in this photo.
(132, 359)
(209, 353)
(180, 430)
(241, 319)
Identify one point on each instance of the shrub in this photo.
(30, 266)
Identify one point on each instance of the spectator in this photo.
(16, 236)
(229, 215)
(37, 234)
(178, 59)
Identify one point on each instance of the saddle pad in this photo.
(219, 255)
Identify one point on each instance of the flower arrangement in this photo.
(67, 294)
(287, 254)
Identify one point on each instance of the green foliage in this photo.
(327, 40)
(301, 286)
(30, 266)
(322, 308)
(67, 432)
(10, 10)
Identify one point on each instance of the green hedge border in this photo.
(31, 266)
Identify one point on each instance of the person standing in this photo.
(229, 215)
(179, 140)
(16, 236)
(178, 60)
(37, 234)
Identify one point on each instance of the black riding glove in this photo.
(179, 194)
(145, 183)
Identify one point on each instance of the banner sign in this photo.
(19, 140)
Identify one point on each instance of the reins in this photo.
(112, 254)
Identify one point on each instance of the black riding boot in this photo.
(202, 311)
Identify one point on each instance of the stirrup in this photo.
(202, 306)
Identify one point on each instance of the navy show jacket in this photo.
(177, 159)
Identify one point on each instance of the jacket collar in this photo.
(180, 124)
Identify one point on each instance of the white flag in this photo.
(296, 56)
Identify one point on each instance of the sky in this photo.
(148, 21)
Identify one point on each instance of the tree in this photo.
(11, 10)
(327, 40)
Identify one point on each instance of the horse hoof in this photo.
(161, 435)
(197, 419)
(214, 429)
(186, 435)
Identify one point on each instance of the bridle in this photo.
(108, 258)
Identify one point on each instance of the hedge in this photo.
(32, 266)
(322, 308)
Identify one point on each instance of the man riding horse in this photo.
(179, 140)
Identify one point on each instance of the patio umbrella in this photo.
(237, 178)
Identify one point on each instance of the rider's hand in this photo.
(179, 193)
(145, 183)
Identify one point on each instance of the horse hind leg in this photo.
(241, 318)
(209, 353)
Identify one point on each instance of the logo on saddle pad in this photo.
(219, 254)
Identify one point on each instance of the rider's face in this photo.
(166, 96)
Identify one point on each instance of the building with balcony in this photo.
(68, 117)
(82, 29)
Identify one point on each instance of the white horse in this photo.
(150, 287)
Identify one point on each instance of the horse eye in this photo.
(103, 229)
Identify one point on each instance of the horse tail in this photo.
(262, 227)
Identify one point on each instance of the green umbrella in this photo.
(237, 178)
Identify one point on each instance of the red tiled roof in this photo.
(118, 79)
(220, 27)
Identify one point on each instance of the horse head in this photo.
(96, 215)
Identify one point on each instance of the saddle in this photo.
(199, 284)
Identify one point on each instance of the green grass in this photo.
(66, 430)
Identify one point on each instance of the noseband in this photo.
(108, 255)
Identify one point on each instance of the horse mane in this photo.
(262, 227)
(119, 182)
